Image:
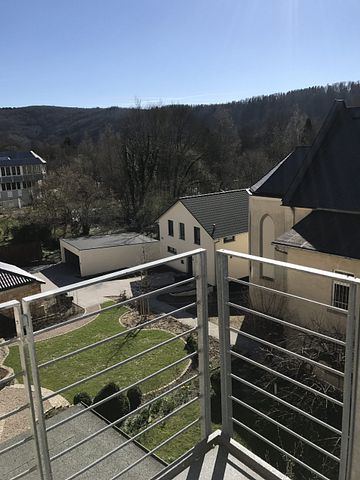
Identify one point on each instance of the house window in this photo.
(17, 170)
(197, 235)
(267, 236)
(13, 186)
(3, 171)
(3, 187)
(172, 250)
(340, 297)
(7, 169)
(229, 239)
(13, 170)
(171, 228)
(18, 185)
(181, 231)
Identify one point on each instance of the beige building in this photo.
(306, 211)
(107, 253)
(211, 221)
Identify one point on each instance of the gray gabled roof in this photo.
(12, 277)
(222, 214)
(276, 182)
(105, 241)
(334, 233)
(20, 158)
(328, 177)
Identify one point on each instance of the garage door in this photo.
(72, 259)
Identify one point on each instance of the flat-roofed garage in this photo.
(107, 253)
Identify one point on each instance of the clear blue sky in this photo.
(108, 52)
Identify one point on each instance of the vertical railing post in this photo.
(222, 283)
(200, 264)
(24, 360)
(38, 403)
(350, 382)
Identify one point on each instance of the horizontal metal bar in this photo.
(115, 305)
(285, 294)
(130, 440)
(14, 412)
(108, 426)
(291, 266)
(11, 341)
(287, 404)
(113, 337)
(288, 352)
(122, 390)
(119, 364)
(15, 445)
(281, 450)
(111, 276)
(25, 472)
(289, 379)
(162, 444)
(286, 429)
(288, 324)
(10, 378)
(9, 304)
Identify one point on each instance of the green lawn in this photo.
(68, 371)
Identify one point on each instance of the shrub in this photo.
(191, 346)
(114, 408)
(134, 424)
(82, 397)
(134, 396)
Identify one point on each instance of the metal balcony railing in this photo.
(260, 404)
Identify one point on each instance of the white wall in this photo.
(237, 268)
(102, 260)
(178, 213)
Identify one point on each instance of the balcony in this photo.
(259, 421)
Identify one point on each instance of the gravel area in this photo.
(13, 397)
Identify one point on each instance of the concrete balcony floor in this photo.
(220, 459)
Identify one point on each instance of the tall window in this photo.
(340, 296)
(181, 231)
(197, 235)
(171, 228)
(267, 249)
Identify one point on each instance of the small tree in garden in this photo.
(191, 346)
(115, 407)
(134, 396)
(82, 397)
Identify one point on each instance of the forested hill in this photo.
(144, 158)
(255, 118)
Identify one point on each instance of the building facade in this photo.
(19, 174)
(306, 211)
(212, 221)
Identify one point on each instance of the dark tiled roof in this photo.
(228, 211)
(12, 277)
(20, 158)
(105, 241)
(328, 177)
(327, 232)
(277, 180)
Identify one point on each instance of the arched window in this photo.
(267, 249)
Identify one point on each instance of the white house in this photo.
(211, 221)
(19, 173)
(107, 253)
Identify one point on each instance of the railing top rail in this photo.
(9, 304)
(292, 266)
(110, 276)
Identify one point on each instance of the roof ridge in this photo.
(213, 193)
